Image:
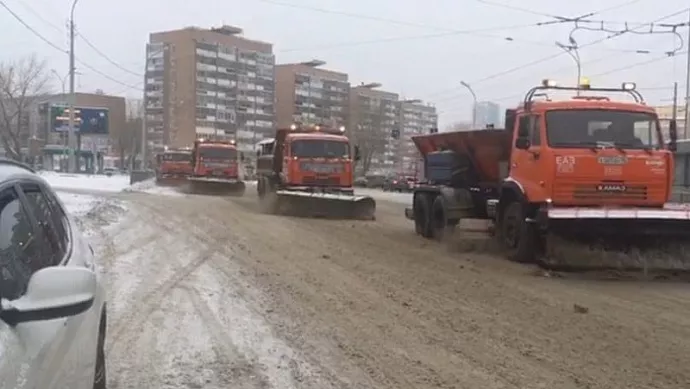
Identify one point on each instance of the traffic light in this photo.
(433, 130)
(395, 134)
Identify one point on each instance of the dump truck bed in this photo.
(486, 149)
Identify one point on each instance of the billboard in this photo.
(88, 120)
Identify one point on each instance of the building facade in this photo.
(208, 83)
(306, 93)
(416, 118)
(373, 118)
(488, 113)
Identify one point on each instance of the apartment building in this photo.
(416, 118)
(487, 113)
(373, 117)
(208, 83)
(307, 93)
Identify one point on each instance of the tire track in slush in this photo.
(151, 299)
(150, 302)
(228, 245)
(298, 376)
(234, 368)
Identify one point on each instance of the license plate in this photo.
(612, 188)
(613, 160)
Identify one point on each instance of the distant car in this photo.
(361, 182)
(109, 171)
(400, 184)
(52, 299)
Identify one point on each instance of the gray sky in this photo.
(385, 41)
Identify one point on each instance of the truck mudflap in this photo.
(648, 240)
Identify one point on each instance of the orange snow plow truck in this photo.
(307, 170)
(574, 184)
(172, 166)
(217, 168)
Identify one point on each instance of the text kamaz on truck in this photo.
(588, 172)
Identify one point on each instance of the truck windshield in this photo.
(176, 157)
(590, 127)
(223, 153)
(320, 149)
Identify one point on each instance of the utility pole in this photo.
(687, 87)
(674, 113)
(71, 136)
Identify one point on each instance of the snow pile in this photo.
(149, 186)
(78, 205)
(87, 182)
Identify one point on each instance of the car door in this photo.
(27, 348)
(75, 348)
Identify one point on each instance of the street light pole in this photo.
(71, 136)
(474, 103)
(575, 55)
(687, 88)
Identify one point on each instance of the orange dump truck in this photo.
(590, 172)
(173, 166)
(217, 168)
(308, 170)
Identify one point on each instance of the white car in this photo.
(52, 300)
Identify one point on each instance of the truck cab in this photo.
(215, 158)
(309, 156)
(590, 151)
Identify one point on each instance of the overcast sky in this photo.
(413, 47)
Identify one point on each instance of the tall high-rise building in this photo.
(488, 113)
(208, 83)
(308, 94)
(416, 118)
(372, 120)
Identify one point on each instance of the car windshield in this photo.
(621, 129)
(320, 149)
(176, 157)
(224, 153)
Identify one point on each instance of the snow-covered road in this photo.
(180, 314)
(209, 292)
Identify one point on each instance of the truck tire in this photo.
(518, 237)
(422, 214)
(438, 220)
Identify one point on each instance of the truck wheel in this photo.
(439, 223)
(517, 236)
(422, 215)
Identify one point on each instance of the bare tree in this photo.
(23, 83)
(371, 140)
(129, 138)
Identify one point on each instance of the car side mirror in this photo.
(673, 135)
(522, 143)
(358, 155)
(54, 292)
